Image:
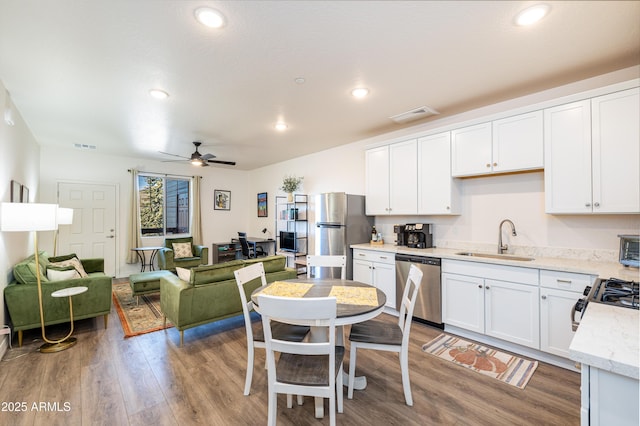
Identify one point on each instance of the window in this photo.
(164, 205)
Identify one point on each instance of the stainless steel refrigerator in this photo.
(340, 222)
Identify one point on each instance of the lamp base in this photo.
(57, 347)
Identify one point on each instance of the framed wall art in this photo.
(221, 200)
(262, 205)
(16, 191)
(24, 194)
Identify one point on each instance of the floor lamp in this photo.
(34, 217)
(65, 217)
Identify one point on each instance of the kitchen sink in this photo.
(496, 256)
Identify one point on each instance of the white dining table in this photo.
(347, 314)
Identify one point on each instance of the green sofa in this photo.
(167, 260)
(21, 295)
(211, 294)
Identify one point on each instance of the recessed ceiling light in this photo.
(299, 80)
(281, 126)
(209, 17)
(360, 92)
(158, 94)
(531, 15)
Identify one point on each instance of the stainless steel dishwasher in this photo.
(429, 303)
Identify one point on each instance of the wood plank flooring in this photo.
(148, 380)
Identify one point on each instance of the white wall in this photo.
(19, 161)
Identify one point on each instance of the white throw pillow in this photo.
(181, 250)
(54, 275)
(184, 274)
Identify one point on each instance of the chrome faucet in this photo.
(503, 247)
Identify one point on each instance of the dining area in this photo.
(302, 329)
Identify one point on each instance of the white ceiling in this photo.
(79, 71)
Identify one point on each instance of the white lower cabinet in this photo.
(559, 291)
(377, 269)
(505, 308)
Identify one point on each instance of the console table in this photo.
(224, 252)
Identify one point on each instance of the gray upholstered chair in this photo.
(168, 259)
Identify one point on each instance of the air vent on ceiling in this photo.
(414, 114)
(84, 146)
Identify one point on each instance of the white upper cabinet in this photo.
(615, 149)
(471, 150)
(592, 155)
(506, 145)
(438, 192)
(518, 143)
(392, 179)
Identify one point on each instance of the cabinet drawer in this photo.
(375, 256)
(512, 274)
(565, 280)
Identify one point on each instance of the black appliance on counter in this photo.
(414, 235)
(610, 291)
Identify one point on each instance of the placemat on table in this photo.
(355, 295)
(286, 289)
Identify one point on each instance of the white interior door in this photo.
(93, 232)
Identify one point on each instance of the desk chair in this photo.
(249, 251)
(384, 336)
(255, 336)
(304, 368)
(327, 261)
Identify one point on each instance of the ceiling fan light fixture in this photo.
(281, 126)
(531, 15)
(210, 17)
(197, 161)
(158, 94)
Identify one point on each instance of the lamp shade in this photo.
(65, 216)
(20, 217)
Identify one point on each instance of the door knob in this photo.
(110, 236)
(544, 297)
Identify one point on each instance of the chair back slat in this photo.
(244, 276)
(327, 261)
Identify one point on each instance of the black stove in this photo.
(616, 292)
(611, 291)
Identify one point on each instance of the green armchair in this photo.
(168, 259)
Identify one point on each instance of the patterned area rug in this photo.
(507, 368)
(137, 319)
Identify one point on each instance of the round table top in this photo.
(70, 291)
(146, 248)
(346, 313)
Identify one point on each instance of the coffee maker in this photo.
(414, 235)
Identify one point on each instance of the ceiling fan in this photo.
(198, 159)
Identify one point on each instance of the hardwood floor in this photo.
(149, 380)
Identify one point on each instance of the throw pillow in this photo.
(181, 250)
(184, 274)
(75, 262)
(56, 275)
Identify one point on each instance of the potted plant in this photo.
(290, 184)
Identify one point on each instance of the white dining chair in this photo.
(303, 368)
(327, 261)
(385, 336)
(245, 277)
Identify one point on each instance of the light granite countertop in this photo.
(616, 331)
(597, 268)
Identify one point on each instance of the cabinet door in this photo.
(518, 143)
(437, 190)
(567, 158)
(384, 277)
(555, 324)
(463, 302)
(403, 178)
(512, 312)
(377, 180)
(616, 152)
(362, 271)
(471, 150)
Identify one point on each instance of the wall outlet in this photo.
(5, 330)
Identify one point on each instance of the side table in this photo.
(140, 251)
(68, 341)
